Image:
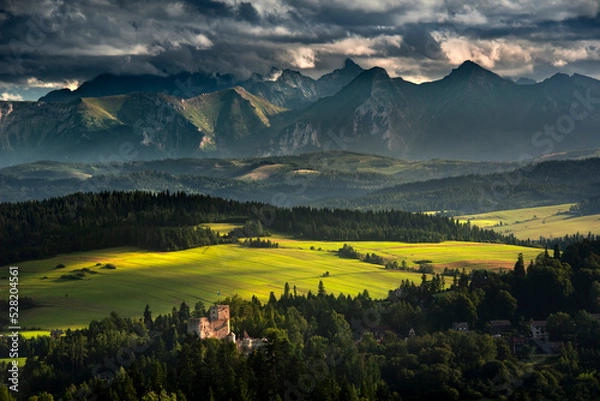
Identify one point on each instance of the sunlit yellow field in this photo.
(165, 279)
(547, 221)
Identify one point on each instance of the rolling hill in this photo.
(331, 179)
(550, 222)
(208, 274)
(542, 184)
(280, 180)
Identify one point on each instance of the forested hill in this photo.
(170, 222)
(549, 183)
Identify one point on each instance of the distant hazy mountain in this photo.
(526, 81)
(332, 83)
(141, 125)
(470, 114)
(184, 85)
(293, 90)
(284, 88)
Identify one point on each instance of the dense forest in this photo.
(588, 206)
(168, 222)
(322, 346)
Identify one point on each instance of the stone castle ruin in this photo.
(216, 325)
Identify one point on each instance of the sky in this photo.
(51, 44)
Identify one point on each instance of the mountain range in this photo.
(471, 114)
(286, 88)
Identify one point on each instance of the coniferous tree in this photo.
(556, 254)
(148, 317)
(519, 270)
(321, 291)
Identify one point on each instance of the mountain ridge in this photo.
(287, 88)
(471, 113)
(149, 125)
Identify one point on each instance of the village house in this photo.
(538, 329)
(460, 326)
(247, 344)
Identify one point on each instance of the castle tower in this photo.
(218, 312)
(216, 325)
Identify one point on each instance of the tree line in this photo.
(169, 222)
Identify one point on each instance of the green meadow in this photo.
(207, 274)
(546, 221)
(452, 254)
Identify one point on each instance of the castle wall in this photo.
(216, 325)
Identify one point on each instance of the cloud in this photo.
(470, 16)
(5, 96)
(36, 83)
(57, 41)
(302, 57)
(356, 45)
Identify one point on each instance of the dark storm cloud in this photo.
(212, 8)
(247, 12)
(54, 42)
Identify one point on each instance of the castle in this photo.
(216, 325)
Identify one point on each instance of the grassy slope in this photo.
(249, 111)
(101, 113)
(547, 221)
(163, 280)
(453, 254)
(108, 106)
(204, 110)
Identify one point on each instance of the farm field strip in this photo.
(547, 221)
(165, 279)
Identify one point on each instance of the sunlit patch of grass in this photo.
(207, 274)
(547, 221)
